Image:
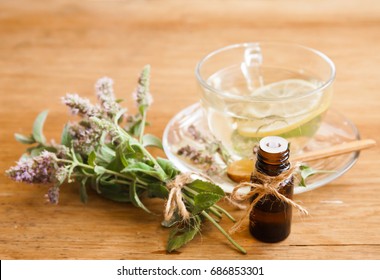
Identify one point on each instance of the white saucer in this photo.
(334, 129)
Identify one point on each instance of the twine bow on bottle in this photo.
(269, 186)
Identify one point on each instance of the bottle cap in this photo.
(274, 144)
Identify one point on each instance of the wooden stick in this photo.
(335, 150)
(240, 170)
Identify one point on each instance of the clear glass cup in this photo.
(253, 90)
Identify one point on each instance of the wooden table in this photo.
(47, 50)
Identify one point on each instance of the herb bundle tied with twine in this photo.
(107, 151)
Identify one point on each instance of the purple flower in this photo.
(104, 92)
(53, 195)
(142, 98)
(142, 95)
(36, 170)
(200, 157)
(81, 106)
(196, 134)
(104, 88)
(86, 136)
(62, 151)
(61, 174)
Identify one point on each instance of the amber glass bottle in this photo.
(271, 218)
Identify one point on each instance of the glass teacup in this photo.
(253, 90)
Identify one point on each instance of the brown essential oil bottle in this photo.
(270, 219)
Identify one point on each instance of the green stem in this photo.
(142, 185)
(142, 127)
(215, 212)
(225, 212)
(106, 171)
(186, 188)
(233, 242)
(119, 175)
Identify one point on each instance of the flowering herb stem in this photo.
(143, 123)
(99, 152)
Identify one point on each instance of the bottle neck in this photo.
(272, 164)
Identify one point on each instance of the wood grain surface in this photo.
(48, 48)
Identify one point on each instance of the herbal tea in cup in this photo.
(253, 90)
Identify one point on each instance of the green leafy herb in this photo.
(206, 187)
(107, 151)
(135, 198)
(204, 201)
(307, 171)
(179, 237)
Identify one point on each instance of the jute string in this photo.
(175, 198)
(269, 186)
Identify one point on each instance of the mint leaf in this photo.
(36, 151)
(38, 127)
(127, 147)
(119, 115)
(179, 237)
(99, 170)
(92, 158)
(24, 139)
(307, 171)
(121, 156)
(168, 167)
(107, 153)
(135, 198)
(158, 190)
(119, 161)
(208, 187)
(66, 136)
(135, 128)
(141, 167)
(150, 140)
(203, 201)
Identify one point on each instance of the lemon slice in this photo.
(285, 88)
(275, 118)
